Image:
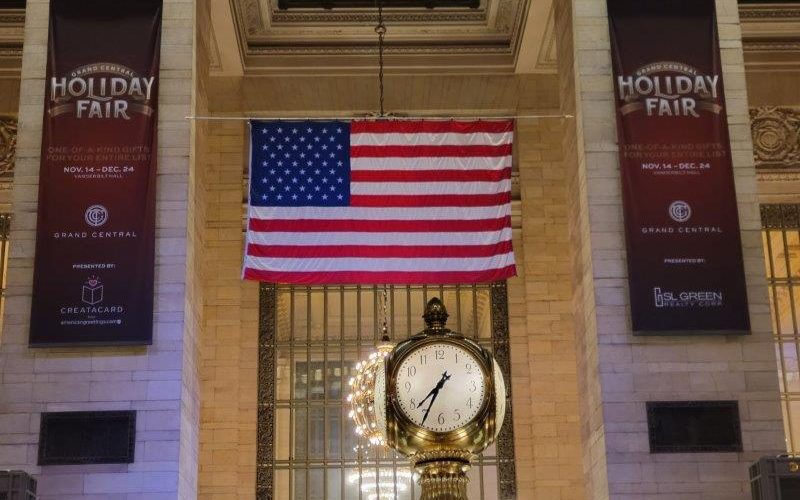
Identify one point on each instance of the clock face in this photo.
(440, 387)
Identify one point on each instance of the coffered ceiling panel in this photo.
(342, 39)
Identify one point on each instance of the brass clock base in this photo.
(443, 477)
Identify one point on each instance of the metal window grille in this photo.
(309, 340)
(781, 239)
(5, 231)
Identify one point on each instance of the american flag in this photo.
(380, 202)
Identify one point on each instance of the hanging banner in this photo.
(685, 267)
(95, 235)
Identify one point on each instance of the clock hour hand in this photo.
(434, 393)
(436, 389)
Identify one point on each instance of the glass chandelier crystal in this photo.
(362, 394)
(362, 385)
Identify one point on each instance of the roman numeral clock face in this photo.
(440, 387)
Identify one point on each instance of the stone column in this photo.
(619, 373)
(544, 373)
(158, 381)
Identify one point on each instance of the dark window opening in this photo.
(694, 426)
(85, 437)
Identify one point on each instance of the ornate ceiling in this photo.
(485, 39)
(255, 36)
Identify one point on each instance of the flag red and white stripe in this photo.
(430, 203)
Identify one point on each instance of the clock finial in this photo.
(435, 314)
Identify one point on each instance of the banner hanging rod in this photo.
(388, 117)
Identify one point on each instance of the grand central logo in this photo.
(668, 88)
(96, 215)
(101, 90)
(679, 211)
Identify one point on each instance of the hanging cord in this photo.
(385, 314)
(380, 29)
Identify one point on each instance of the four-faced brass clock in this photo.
(440, 400)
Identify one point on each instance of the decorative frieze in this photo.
(8, 147)
(768, 11)
(780, 216)
(776, 137)
(12, 30)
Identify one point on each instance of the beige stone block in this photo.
(731, 57)
(590, 9)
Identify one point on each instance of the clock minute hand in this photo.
(428, 409)
(435, 392)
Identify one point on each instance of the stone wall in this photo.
(229, 342)
(158, 381)
(544, 383)
(593, 458)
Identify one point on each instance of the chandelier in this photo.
(362, 384)
(362, 394)
(383, 483)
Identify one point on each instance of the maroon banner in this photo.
(685, 268)
(95, 238)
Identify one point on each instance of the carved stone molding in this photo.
(12, 17)
(780, 216)
(8, 148)
(12, 33)
(778, 176)
(770, 37)
(772, 46)
(263, 15)
(768, 11)
(776, 137)
(360, 16)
